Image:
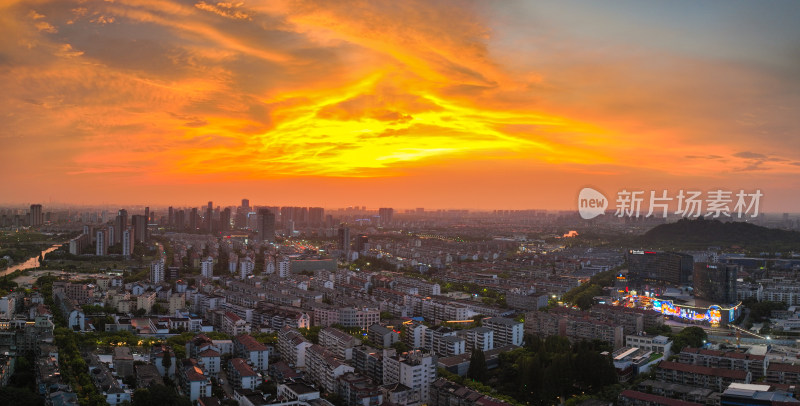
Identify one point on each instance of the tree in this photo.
(689, 337)
(401, 347)
(160, 395)
(158, 308)
(18, 396)
(477, 366)
(166, 361)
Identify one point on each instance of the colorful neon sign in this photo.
(712, 314)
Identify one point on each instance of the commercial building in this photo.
(715, 282)
(659, 268)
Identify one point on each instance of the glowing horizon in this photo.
(431, 104)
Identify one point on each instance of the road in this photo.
(227, 385)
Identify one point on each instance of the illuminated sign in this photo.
(712, 314)
(637, 252)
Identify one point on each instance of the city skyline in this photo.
(511, 105)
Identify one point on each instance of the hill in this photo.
(701, 233)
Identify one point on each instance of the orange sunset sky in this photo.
(435, 104)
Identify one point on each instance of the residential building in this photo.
(254, 352)
(382, 336)
(716, 379)
(210, 361)
(415, 369)
(157, 354)
(630, 397)
(337, 342)
(369, 362)
(147, 375)
(656, 344)
(506, 331)
(755, 364)
(123, 361)
(783, 373)
(447, 393)
(324, 368)
(357, 390)
(146, 301)
(193, 382)
(157, 271)
(292, 346)
(207, 267)
(478, 338)
(242, 375)
(415, 334)
(234, 325)
(444, 342)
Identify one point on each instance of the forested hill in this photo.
(701, 233)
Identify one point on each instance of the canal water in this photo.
(31, 263)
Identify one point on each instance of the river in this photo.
(31, 263)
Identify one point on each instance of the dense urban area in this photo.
(259, 305)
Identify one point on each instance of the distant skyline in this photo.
(446, 104)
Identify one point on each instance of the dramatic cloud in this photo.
(168, 94)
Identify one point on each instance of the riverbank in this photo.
(30, 263)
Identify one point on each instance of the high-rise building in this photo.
(147, 214)
(670, 268)
(225, 220)
(266, 225)
(362, 242)
(36, 218)
(170, 217)
(284, 267)
(157, 271)
(193, 220)
(180, 220)
(101, 241)
(207, 267)
(89, 230)
(240, 221)
(112, 234)
(246, 267)
(287, 216)
(715, 282)
(127, 242)
(209, 217)
(386, 214)
(316, 216)
(246, 204)
(344, 240)
(139, 224)
(121, 223)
